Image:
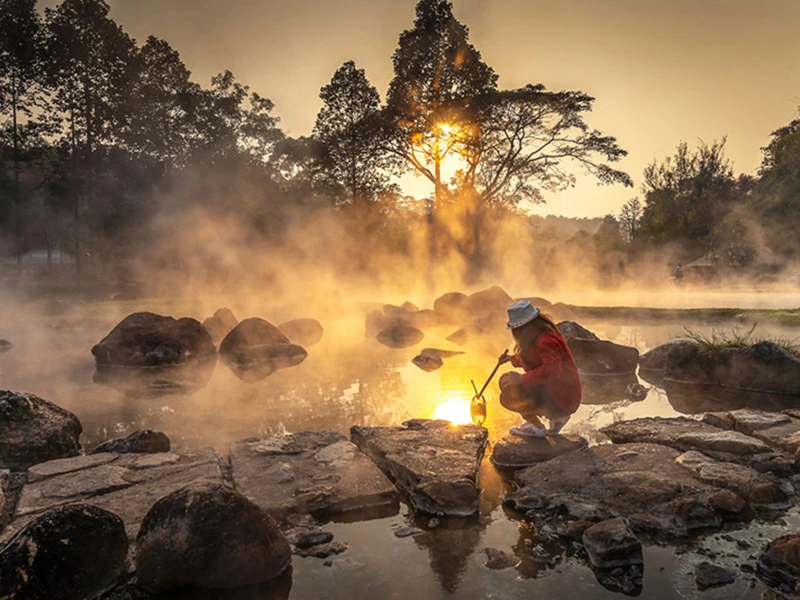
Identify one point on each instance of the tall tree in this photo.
(89, 58)
(353, 157)
(686, 195)
(629, 217)
(20, 84)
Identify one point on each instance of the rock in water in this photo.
(5, 346)
(209, 536)
(305, 332)
(144, 441)
(400, 336)
(34, 430)
(220, 324)
(433, 462)
(70, 552)
(594, 356)
(427, 362)
(148, 340)
(255, 348)
(254, 331)
(612, 544)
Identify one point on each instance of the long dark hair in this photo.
(525, 335)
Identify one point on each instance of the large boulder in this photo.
(451, 307)
(143, 441)
(209, 536)
(594, 356)
(255, 348)
(487, 309)
(432, 461)
(220, 323)
(34, 431)
(145, 339)
(70, 552)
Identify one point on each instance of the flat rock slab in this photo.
(433, 462)
(516, 452)
(125, 484)
(685, 434)
(677, 492)
(779, 430)
(317, 473)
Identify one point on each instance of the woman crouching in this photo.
(550, 386)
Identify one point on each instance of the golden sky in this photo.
(662, 71)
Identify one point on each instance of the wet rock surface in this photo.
(69, 552)
(595, 356)
(434, 463)
(318, 473)
(497, 559)
(208, 536)
(143, 441)
(33, 430)
(125, 484)
(515, 452)
(780, 562)
(612, 544)
(304, 332)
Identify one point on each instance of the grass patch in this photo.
(720, 339)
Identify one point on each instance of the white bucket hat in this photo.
(521, 312)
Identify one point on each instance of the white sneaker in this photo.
(529, 430)
(557, 424)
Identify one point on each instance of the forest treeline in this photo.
(111, 154)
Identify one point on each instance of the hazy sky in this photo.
(662, 71)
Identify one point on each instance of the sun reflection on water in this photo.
(455, 410)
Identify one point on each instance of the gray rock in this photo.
(497, 559)
(459, 337)
(318, 473)
(427, 362)
(708, 575)
(611, 544)
(34, 431)
(75, 551)
(451, 307)
(125, 484)
(255, 348)
(433, 462)
(324, 550)
(208, 536)
(304, 332)
(515, 452)
(143, 441)
(656, 359)
(404, 532)
(305, 538)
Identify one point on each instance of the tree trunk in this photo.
(17, 195)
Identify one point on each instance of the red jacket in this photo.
(549, 363)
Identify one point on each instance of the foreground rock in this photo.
(33, 430)
(762, 367)
(662, 492)
(220, 324)
(595, 356)
(304, 332)
(208, 536)
(707, 575)
(69, 552)
(433, 462)
(779, 430)
(125, 484)
(516, 452)
(255, 349)
(317, 473)
(144, 441)
(612, 544)
(780, 562)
